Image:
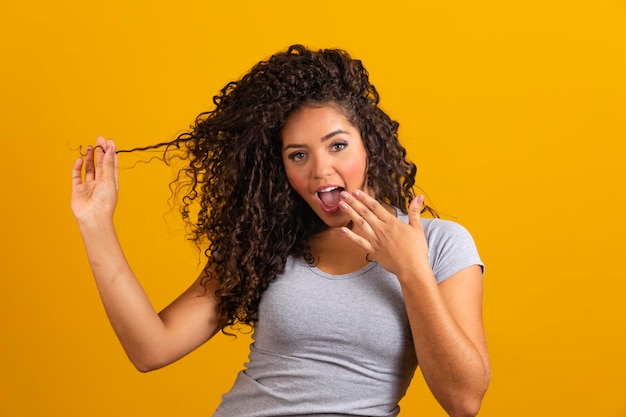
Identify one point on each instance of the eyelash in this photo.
(343, 146)
(298, 156)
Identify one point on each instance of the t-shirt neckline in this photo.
(354, 274)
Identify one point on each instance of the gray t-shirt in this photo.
(338, 345)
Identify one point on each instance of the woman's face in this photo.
(323, 154)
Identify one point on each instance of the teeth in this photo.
(325, 190)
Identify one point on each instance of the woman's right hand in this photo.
(94, 192)
(150, 340)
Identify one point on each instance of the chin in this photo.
(338, 219)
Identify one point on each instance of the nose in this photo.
(322, 166)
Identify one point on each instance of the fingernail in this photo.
(344, 195)
(343, 205)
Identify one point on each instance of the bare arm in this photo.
(448, 334)
(446, 320)
(150, 340)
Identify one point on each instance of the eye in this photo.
(297, 156)
(338, 146)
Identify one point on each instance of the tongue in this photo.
(330, 198)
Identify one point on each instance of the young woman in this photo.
(314, 237)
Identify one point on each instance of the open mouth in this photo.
(330, 196)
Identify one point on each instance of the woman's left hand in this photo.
(398, 247)
(445, 319)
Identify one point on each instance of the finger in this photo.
(370, 206)
(89, 166)
(99, 151)
(366, 212)
(358, 212)
(110, 163)
(358, 240)
(415, 210)
(77, 170)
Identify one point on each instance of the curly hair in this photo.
(249, 218)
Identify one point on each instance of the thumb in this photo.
(415, 208)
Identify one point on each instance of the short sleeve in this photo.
(451, 248)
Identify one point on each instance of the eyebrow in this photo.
(324, 138)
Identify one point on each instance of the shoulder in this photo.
(451, 247)
(442, 231)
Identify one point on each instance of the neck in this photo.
(335, 253)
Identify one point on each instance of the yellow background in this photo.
(514, 111)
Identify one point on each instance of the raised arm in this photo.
(445, 319)
(150, 340)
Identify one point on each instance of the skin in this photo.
(150, 340)
(320, 148)
(445, 319)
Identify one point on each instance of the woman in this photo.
(313, 237)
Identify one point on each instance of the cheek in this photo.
(296, 182)
(357, 169)
(292, 177)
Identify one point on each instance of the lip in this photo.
(324, 207)
(327, 187)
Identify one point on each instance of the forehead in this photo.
(314, 122)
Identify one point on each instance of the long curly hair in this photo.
(249, 218)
